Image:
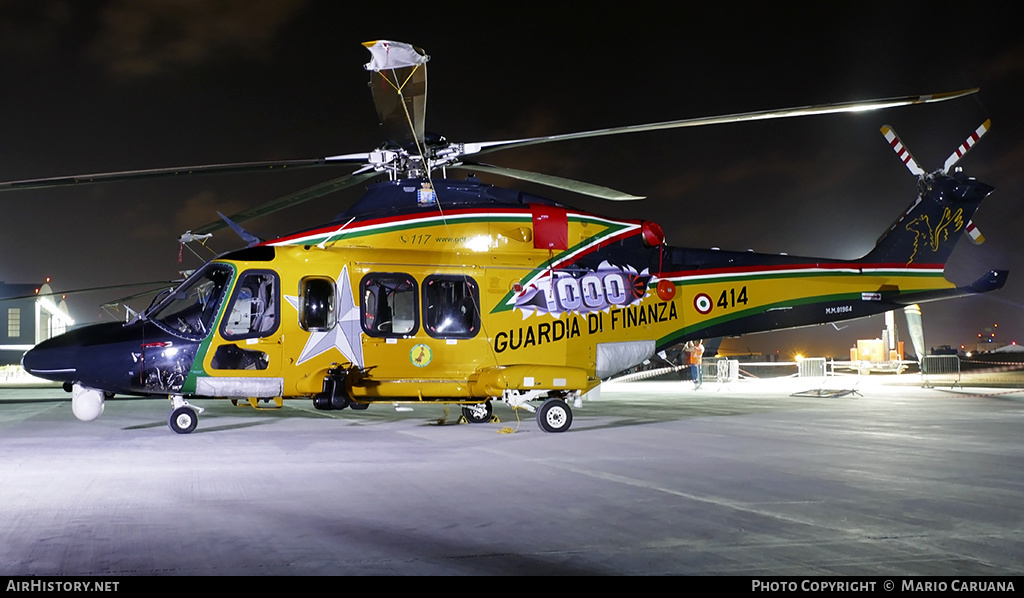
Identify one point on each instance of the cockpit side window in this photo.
(316, 303)
(189, 310)
(390, 305)
(451, 306)
(253, 312)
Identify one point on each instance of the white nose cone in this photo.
(86, 403)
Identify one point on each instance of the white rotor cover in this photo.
(388, 55)
(612, 358)
(915, 327)
(86, 403)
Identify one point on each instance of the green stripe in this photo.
(759, 310)
(197, 371)
(612, 229)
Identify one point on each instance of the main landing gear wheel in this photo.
(478, 414)
(339, 401)
(183, 420)
(554, 415)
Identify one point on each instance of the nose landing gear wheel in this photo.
(554, 415)
(183, 420)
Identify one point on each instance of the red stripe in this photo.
(832, 266)
(396, 219)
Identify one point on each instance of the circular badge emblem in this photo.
(702, 303)
(420, 355)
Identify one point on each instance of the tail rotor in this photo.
(915, 169)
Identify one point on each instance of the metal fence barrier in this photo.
(811, 367)
(728, 370)
(720, 370)
(940, 370)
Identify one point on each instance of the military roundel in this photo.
(703, 304)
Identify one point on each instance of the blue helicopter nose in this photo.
(99, 356)
(54, 359)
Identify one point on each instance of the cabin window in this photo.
(389, 305)
(190, 309)
(451, 306)
(316, 303)
(253, 311)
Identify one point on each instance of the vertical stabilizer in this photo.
(928, 231)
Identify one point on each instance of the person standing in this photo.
(696, 357)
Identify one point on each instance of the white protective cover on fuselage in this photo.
(612, 358)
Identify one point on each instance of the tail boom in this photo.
(727, 293)
(743, 300)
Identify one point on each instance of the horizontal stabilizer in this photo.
(992, 281)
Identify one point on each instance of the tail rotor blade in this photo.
(974, 234)
(901, 151)
(967, 145)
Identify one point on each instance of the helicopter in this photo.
(434, 290)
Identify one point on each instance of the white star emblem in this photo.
(345, 335)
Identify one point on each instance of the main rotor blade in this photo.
(103, 177)
(401, 111)
(863, 106)
(170, 284)
(157, 283)
(398, 82)
(290, 200)
(551, 181)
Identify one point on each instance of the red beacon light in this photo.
(652, 234)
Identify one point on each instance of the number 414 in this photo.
(729, 298)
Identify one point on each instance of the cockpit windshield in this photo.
(191, 308)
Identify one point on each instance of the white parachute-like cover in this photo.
(387, 55)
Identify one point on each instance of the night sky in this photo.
(94, 86)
